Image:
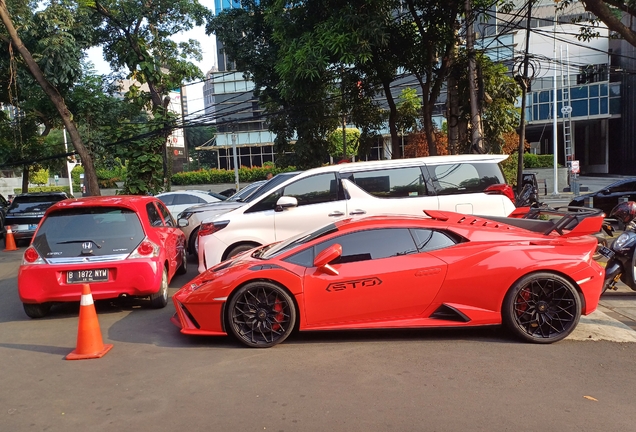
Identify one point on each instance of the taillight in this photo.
(502, 189)
(31, 256)
(146, 249)
(208, 228)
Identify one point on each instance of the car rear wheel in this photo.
(240, 249)
(542, 308)
(193, 246)
(261, 314)
(36, 310)
(160, 299)
(183, 268)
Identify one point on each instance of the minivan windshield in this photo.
(89, 231)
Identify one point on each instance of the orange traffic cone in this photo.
(89, 336)
(9, 241)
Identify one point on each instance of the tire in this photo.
(36, 310)
(183, 268)
(160, 299)
(261, 314)
(597, 255)
(240, 249)
(542, 308)
(193, 245)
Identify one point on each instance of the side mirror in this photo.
(605, 192)
(182, 222)
(323, 259)
(286, 202)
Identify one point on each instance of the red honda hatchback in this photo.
(121, 245)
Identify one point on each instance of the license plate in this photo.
(83, 276)
(606, 252)
(32, 227)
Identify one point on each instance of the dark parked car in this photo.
(607, 198)
(26, 211)
(4, 206)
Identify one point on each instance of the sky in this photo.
(195, 91)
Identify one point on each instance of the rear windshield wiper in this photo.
(81, 241)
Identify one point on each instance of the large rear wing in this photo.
(568, 221)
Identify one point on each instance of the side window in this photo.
(392, 183)
(316, 189)
(304, 258)
(309, 190)
(167, 217)
(167, 199)
(462, 178)
(371, 244)
(180, 199)
(429, 240)
(628, 186)
(153, 215)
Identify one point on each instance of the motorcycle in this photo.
(621, 256)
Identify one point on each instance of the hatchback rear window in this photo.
(89, 231)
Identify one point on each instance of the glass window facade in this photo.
(596, 99)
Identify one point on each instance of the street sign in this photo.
(575, 167)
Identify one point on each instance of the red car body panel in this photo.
(39, 283)
(472, 277)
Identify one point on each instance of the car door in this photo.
(320, 201)
(174, 244)
(381, 277)
(400, 190)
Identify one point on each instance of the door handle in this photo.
(357, 212)
(336, 214)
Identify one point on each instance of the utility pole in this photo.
(476, 141)
(524, 89)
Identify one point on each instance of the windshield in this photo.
(269, 185)
(92, 231)
(297, 240)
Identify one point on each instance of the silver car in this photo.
(190, 219)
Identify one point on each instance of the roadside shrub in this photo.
(66, 189)
(215, 176)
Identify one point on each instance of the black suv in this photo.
(26, 211)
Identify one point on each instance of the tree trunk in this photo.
(56, 99)
(25, 179)
(396, 150)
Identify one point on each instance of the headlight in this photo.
(621, 241)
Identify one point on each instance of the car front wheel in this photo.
(261, 314)
(542, 308)
(160, 299)
(183, 268)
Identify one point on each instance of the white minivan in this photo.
(471, 184)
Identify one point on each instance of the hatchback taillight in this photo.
(208, 228)
(146, 249)
(31, 256)
(502, 189)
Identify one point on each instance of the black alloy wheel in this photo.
(542, 308)
(261, 314)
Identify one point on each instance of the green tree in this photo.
(497, 98)
(336, 149)
(50, 47)
(136, 37)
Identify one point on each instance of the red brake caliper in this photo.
(278, 307)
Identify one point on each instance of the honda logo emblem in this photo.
(86, 245)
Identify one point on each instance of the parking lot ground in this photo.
(156, 379)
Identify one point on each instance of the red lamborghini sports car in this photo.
(535, 276)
